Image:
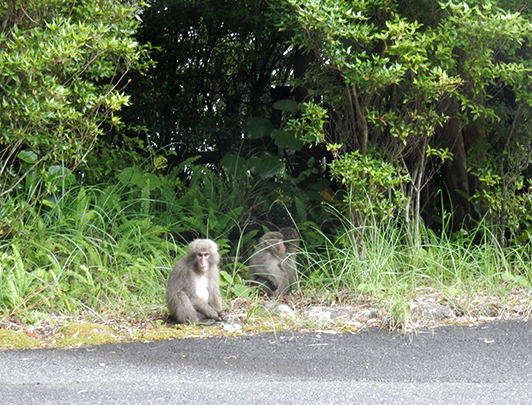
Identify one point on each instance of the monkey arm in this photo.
(289, 266)
(273, 280)
(266, 282)
(215, 301)
(204, 308)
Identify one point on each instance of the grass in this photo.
(379, 264)
(89, 257)
(83, 254)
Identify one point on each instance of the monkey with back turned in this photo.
(193, 291)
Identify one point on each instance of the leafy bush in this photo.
(374, 185)
(58, 74)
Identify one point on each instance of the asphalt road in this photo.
(486, 364)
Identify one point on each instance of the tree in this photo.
(222, 67)
(62, 65)
(217, 62)
(425, 88)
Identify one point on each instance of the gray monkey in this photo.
(193, 291)
(273, 266)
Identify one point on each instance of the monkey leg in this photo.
(181, 308)
(204, 310)
(283, 285)
(267, 284)
(215, 301)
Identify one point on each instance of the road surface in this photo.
(485, 364)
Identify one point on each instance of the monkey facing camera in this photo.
(193, 291)
(273, 265)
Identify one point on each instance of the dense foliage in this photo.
(62, 65)
(443, 91)
(377, 126)
(439, 91)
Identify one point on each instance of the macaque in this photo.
(291, 242)
(273, 264)
(193, 293)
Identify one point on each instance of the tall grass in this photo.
(111, 246)
(380, 262)
(104, 249)
(85, 251)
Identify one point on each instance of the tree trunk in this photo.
(455, 174)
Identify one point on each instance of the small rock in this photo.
(281, 310)
(432, 311)
(329, 314)
(366, 314)
(232, 327)
(485, 310)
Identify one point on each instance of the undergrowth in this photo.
(379, 261)
(90, 252)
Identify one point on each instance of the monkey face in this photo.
(202, 258)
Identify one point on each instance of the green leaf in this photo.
(126, 175)
(257, 128)
(150, 181)
(267, 166)
(286, 140)
(28, 156)
(286, 105)
(235, 165)
(241, 290)
(225, 278)
(60, 174)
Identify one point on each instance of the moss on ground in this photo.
(10, 339)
